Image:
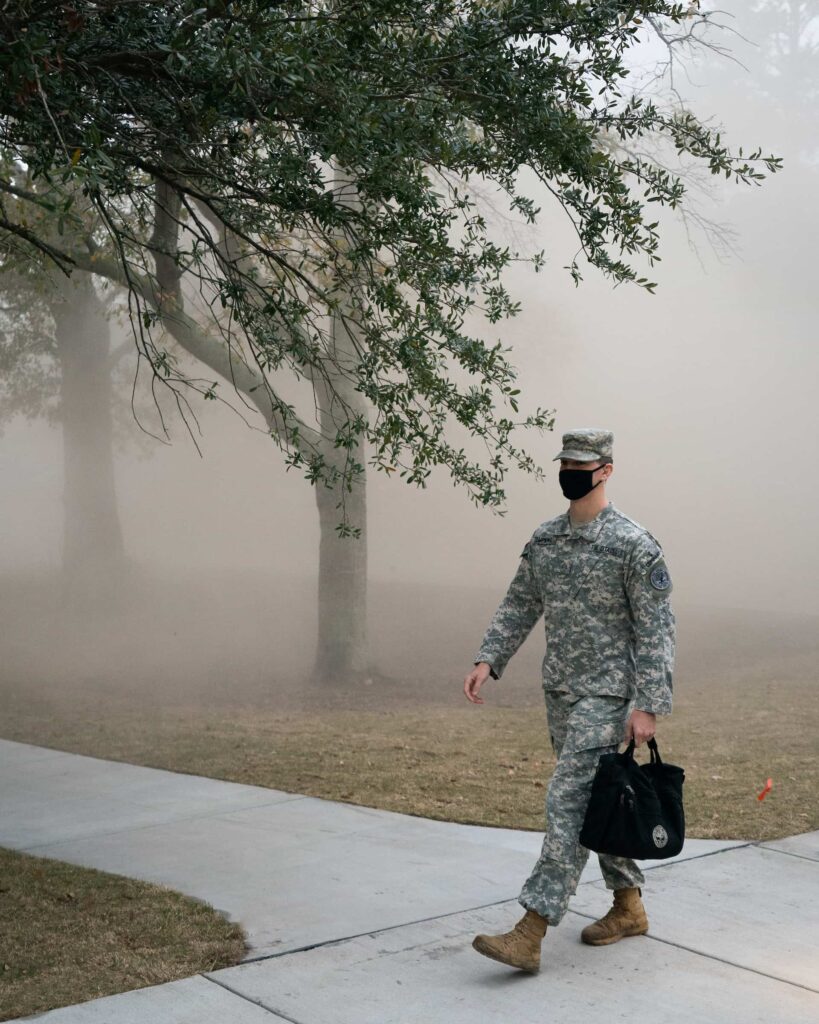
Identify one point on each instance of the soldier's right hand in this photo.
(475, 680)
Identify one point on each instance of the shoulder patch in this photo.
(659, 578)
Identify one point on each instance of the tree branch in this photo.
(204, 348)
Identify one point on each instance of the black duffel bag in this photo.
(635, 810)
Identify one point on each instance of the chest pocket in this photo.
(602, 584)
(586, 567)
(561, 566)
(552, 568)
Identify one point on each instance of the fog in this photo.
(708, 385)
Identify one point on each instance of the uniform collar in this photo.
(586, 531)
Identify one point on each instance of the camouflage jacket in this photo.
(603, 590)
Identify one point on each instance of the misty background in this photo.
(709, 386)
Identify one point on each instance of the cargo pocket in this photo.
(597, 722)
(558, 711)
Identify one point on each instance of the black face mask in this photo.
(576, 483)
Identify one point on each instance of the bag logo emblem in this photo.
(659, 835)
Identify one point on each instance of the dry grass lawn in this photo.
(68, 934)
(483, 765)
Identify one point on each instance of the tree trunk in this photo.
(342, 650)
(93, 560)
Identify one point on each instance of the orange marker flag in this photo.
(766, 789)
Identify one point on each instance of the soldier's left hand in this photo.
(641, 725)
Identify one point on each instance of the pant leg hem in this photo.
(623, 885)
(553, 918)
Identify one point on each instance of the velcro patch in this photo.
(659, 578)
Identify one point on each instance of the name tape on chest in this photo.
(589, 545)
(620, 552)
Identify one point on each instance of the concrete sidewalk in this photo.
(365, 916)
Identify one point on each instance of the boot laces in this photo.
(618, 910)
(526, 926)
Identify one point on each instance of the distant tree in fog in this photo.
(776, 64)
(58, 365)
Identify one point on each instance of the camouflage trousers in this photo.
(580, 729)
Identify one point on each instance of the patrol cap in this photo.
(586, 444)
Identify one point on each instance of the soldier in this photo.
(600, 581)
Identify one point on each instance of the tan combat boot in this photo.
(626, 917)
(518, 948)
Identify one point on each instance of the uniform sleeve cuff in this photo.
(653, 709)
(492, 671)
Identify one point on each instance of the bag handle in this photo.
(652, 746)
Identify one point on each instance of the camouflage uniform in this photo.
(603, 589)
